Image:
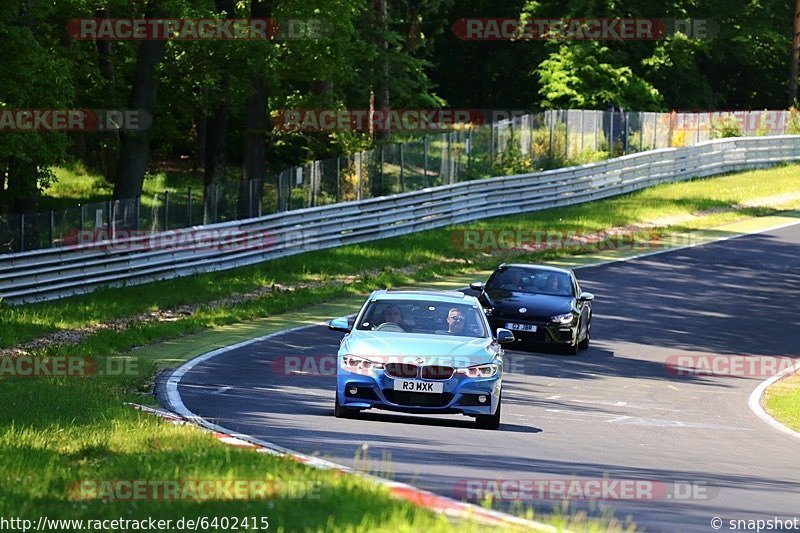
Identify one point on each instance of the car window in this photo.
(422, 316)
(531, 281)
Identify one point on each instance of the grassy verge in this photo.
(55, 431)
(782, 401)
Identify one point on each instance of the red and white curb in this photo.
(441, 504)
(447, 506)
(756, 397)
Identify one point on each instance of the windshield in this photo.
(532, 281)
(422, 316)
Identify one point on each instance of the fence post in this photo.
(166, 210)
(402, 163)
(611, 133)
(189, 204)
(82, 223)
(425, 159)
(52, 227)
(550, 121)
(383, 159)
(338, 178)
(138, 210)
(250, 198)
(566, 136)
(22, 232)
(108, 217)
(582, 114)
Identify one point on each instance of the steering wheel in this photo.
(389, 326)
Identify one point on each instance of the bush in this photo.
(726, 126)
(793, 125)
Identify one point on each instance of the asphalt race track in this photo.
(614, 411)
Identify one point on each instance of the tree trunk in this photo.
(254, 163)
(135, 145)
(795, 55)
(109, 148)
(216, 133)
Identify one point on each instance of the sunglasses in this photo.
(458, 318)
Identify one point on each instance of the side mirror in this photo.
(340, 324)
(505, 336)
(477, 285)
(586, 297)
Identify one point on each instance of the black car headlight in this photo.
(564, 319)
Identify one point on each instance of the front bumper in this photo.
(547, 333)
(459, 396)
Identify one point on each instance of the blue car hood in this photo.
(461, 351)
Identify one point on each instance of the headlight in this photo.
(480, 371)
(359, 365)
(563, 319)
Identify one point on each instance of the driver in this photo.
(391, 314)
(455, 321)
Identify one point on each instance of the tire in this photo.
(584, 344)
(340, 411)
(573, 349)
(490, 421)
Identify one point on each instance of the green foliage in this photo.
(793, 125)
(725, 126)
(577, 75)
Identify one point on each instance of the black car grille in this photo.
(418, 399)
(401, 370)
(437, 372)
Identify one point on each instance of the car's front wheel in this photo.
(584, 344)
(340, 411)
(490, 421)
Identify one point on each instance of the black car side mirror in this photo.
(477, 285)
(586, 297)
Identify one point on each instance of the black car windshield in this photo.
(423, 316)
(532, 281)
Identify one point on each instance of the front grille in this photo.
(418, 399)
(437, 372)
(401, 370)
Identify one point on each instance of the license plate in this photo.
(521, 327)
(412, 385)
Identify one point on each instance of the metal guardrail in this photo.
(55, 273)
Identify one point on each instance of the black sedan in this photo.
(541, 305)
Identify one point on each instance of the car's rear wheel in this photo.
(340, 411)
(490, 421)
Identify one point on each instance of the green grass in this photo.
(57, 432)
(74, 185)
(782, 401)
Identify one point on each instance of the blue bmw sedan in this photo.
(421, 352)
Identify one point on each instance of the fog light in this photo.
(482, 398)
(353, 391)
